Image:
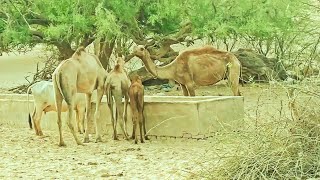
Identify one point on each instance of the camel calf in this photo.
(136, 94)
(43, 95)
(116, 87)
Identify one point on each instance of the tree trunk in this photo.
(103, 49)
(65, 50)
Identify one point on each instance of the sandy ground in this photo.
(24, 155)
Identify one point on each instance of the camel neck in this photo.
(164, 72)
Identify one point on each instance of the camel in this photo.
(200, 66)
(116, 87)
(82, 73)
(136, 94)
(44, 101)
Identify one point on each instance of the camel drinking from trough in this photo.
(136, 94)
(200, 66)
(82, 73)
(116, 87)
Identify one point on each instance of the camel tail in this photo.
(29, 118)
(56, 81)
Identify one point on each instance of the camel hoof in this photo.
(40, 133)
(142, 141)
(132, 137)
(116, 138)
(62, 144)
(136, 142)
(146, 138)
(86, 140)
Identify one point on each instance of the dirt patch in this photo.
(26, 156)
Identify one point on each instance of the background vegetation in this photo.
(285, 29)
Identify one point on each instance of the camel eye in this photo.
(141, 48)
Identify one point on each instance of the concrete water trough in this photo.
(165, 115)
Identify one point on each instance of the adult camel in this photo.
(82, 73)
(200, 66)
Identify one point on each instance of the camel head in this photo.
(120, 61)
(136, 78)
(141, 52)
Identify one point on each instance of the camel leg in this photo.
(140, 127)
(125, 116)
(33, 120)
(133, 127)
(88, 108)
(234, 75)
(69, 121)
(234, 82)
(82, 112)
(135, 121)
(184, 90)
(119, 114)
(58, 98)
(144, 126)
(110, 106)
(100, 92)
(80, 119)
(190, 87)
(37, 122)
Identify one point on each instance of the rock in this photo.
(92, 163)
(257, 67)
(166, 89)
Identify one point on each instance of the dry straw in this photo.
(276, 147)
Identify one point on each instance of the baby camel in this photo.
(136, 93)
(117, 86)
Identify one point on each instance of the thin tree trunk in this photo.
(106, 48)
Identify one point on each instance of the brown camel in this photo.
(200, 66)
(116, 87)
(136, 94)
(82, 73)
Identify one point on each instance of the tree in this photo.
(269, 26)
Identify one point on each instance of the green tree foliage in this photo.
(261, 24)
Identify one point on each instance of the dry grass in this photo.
(286, 146)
